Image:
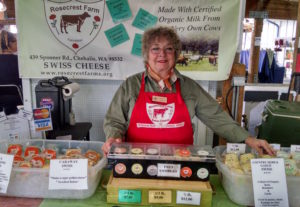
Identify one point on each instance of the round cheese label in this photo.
(120, 168)
(152, 151)
(120, 150)
(184, 152)
(186, 172)
(137, 168)
(136, 151)
(202, 153)
(152, 170)
(202, 173)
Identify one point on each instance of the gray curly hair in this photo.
(151, 34)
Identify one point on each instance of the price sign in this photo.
(269, 182)
(257, 41)
(190, 198)
(168, 170)
(160, 196)
(68, 174)
(236, 148)
(2, 116)
(295, 148)
(23, 114)
(130, 196)
(275, 146)
(6, 162)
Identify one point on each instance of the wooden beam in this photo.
(236, 70)
(277, 9)
(10, 11)
(1, 15)
(296, 48)
(296, 55)
(254, 52)
(7, 21)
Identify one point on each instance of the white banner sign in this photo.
(97, 39)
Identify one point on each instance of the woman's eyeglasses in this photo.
(157, 50)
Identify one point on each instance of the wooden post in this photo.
(1, 15)
(296, 55)
(236, 70)
(254, 52)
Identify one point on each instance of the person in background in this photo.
(158, 105)
(8, 42)
(9, 98)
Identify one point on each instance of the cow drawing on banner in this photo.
(69, 20)
(160, 112)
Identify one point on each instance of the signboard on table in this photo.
(269, 182)
(97, 39)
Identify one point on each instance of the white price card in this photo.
(68, 174)
(275, 146)
(190, 198)
(269, 182)
(257, 41)
(2, 116)
(295, 148)
(23, 114)
(168, 170)
(6, 162)
(236, 148)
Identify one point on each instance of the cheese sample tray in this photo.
(161, 161)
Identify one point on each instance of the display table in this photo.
(220, 198)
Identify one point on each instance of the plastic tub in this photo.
(156, 161)
(239, 187)
(34, 182)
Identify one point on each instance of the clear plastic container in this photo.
(161, 161)
(239, 187)
(34, 182)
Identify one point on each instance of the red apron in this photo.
(160, 118)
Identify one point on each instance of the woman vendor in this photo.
(158, 105)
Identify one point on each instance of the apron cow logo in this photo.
(74, 23)
(160, 114)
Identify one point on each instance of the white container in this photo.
(34, 182)
(239, 187)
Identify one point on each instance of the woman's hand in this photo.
(107, 145)
(259, 145)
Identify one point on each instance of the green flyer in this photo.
(119, 10)
(130, 196)
(144, 20)
(116, 35)
(137, 45)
